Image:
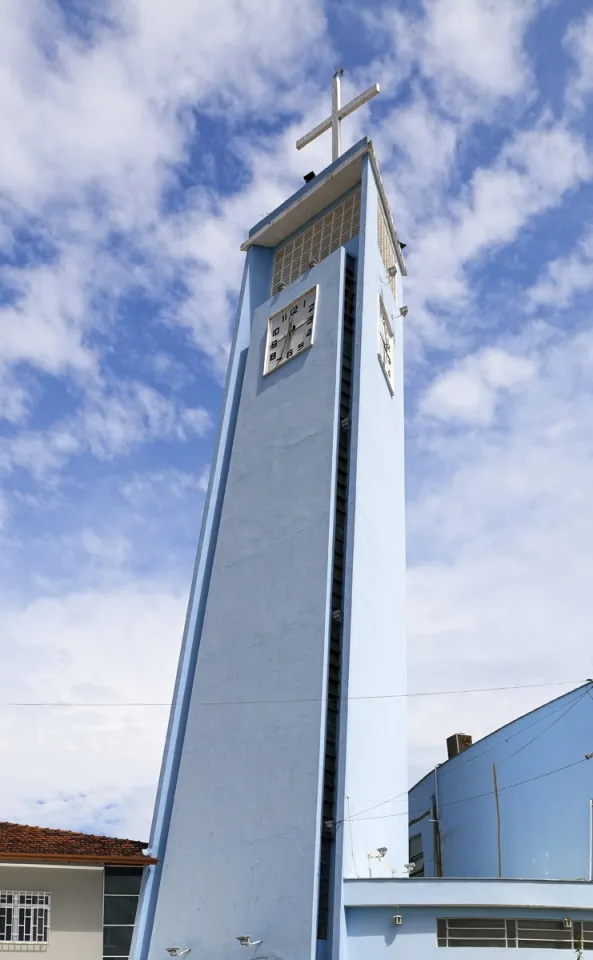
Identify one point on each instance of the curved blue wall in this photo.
(544, 788)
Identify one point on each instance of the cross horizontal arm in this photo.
(358, 101)
(342, 112)
(315, 132)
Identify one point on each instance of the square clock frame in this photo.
(291, 330)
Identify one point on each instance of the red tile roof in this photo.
(18, 842)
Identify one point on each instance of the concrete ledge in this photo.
(430, 892)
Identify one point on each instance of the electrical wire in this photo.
(545, 730)
(457, 766)
(476, 756)
(487, 793)
(349, 818)
(228, 703)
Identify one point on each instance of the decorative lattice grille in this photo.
(317, 241)
(386, 246)
(24, 917)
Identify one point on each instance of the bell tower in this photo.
(288, 721)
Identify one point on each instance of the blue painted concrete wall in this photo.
(372, 933)
(241, 854)
(374, 754)
(545, 785)
(370, 909)
(254, 290)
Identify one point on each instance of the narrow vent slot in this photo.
(337, 604)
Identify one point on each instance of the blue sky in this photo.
(141, 141)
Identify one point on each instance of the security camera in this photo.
(409, 867)
(177, 951)
(404, 312)
(398, 920)
(246, 941)
(392, 272)
(567, 923)
(381, 851)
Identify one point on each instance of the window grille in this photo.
(317, 242)
(583, 935)
(510, 933)
(24, 917)
(386, 246)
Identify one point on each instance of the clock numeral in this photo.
(273, 356)
(301, 345)
(289, 353)
(294, 310)
(311, 307)
(275, 331)
(310, 320)
(309, 332)
(274, 343)
(283, 318)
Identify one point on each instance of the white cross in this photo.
(338, 114)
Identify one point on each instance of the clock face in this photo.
(291, 331)
(386, 341)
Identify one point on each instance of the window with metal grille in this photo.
(24, 917)
(583, 935)
(510, 933)
(416, 856)
(120, 902)
(386, 247)
(314, 244)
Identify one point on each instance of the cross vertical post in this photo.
(336, 122)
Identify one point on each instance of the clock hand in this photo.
(286, 339)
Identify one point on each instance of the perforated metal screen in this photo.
(317, 241)
(386, 245)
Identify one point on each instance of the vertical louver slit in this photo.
(335, 648)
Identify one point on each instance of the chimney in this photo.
(457, 744)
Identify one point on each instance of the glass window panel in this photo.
(123, 879)
(120, 910)
(416, 845)
(117, 941)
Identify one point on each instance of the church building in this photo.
(518, 803)
(281, 822)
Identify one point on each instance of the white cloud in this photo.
(499, 589)
(114, 548)
(120, 109)
(204, 479)
(564, 278)
(495, 206)
(478, 43)
(470, 391)
(75, 766)
(15, 399)
(472, 51)
(578, 42)
(109, 424)
(144, 488)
